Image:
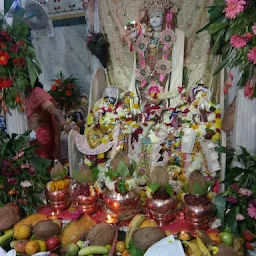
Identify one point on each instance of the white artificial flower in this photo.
(216, 224)
(110, 184)
(196, 163)
(26, 184)
(153, 137)
(211, 117)
(202, 130)
(131, 184)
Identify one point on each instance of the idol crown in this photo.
(152, 6)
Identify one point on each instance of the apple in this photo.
(52, 243)
(12, 244)
(72, 249)
(227, 238)
(19, 246)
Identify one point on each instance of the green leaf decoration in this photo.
(111, 174)
(122, 169)
(154, 187)
(220, 205)
(216, 27)
(121, 187)
(135, 251)
(231, 221)
(95, 173)
(133, 167)
(169, 189)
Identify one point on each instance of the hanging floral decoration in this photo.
(18, 65)
(233, 29)
(65, 91)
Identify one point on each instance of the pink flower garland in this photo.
(252, 55)
(238, 41)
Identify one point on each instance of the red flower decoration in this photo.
(15, 48)
(68, 93)
(70, 86)
(6, 83)
(19, 62)
(54, 87)
(4, 57)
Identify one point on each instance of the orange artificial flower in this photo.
(2, 46)
(68, 93)
(70, 86)
(18, 99)
(4, 57)
(54, 87)
(58, 82)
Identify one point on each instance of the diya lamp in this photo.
(111, 219)
(53, 216)
(197, 207)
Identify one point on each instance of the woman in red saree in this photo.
(45, 120)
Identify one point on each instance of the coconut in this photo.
(121, 156)
(143, 238)
(45, 229)
(225, 250)
(9, 216)
(101, 234)
(159, 175)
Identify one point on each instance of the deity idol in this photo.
(159, 54)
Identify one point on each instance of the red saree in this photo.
(48, 129)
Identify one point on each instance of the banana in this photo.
(93, 249)
(193, 247)
(204, 250)
(134, 224)
(6, 236)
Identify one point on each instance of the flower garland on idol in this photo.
(233, 29)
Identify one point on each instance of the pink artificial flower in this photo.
(235, 187)
(252, 210)
(25, 184)
(252, 55)
(238, 41)
(245, 192)
(254, 29)
(19, 155)
(163, 67)
(248, 36)
(239, 217)
(231, 199)
(234, 7)
(12, 181)
(249, 89)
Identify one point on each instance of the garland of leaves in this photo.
(233, 31)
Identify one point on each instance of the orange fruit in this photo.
(148, 223)
(125, 253)
(32, 247)
(23, 231)
(120, 246)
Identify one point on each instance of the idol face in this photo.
(156, 20)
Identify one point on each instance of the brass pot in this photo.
(162, 210)
(123, 205)
(198, 215)
(59, 199)
(86, 204)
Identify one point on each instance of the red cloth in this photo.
(48, 133)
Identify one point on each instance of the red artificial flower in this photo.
(14, 48)
(6, 83)
(19, 62)
(54, 87)
(58, 82)
(249, 89)
(249, 246)
(248, 236)
(70, 86)
(5, 36)
(18, 99)
(2, 46)
(218, 115)
(4, 57)
(21, 43)
(68, 93)
(249, 35)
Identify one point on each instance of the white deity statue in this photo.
(159, 55)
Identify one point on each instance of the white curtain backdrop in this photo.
(244, 133)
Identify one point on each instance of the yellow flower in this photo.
(218, 124)
(195, 103)
(127, 100)
(194, 126)
(110, 136)
(131, 94)
(216, 137)
(135, 125)
(215, 250)
(135, 106)
(128, 122)
(90, 119)
(104, 141)
(208, 125)
(101, 155)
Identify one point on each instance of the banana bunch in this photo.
(134, 224)
(197, 247)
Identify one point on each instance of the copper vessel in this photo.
(162, 210)
(123, 205)
(86, 204)
(198, 215)
(59, 199)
